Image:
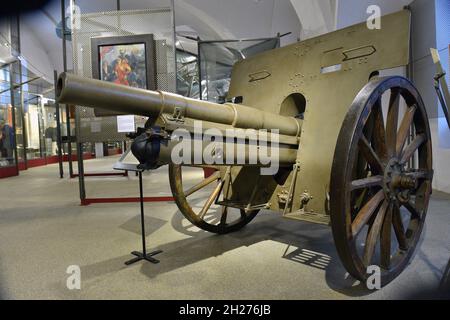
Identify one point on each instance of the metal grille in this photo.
(158, 22)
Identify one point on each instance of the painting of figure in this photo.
(124, 64)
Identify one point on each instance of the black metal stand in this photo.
(143, 255)
(58, 130)
(445, 281)
(437, 87)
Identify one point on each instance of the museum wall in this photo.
(440, 130)
(431, 29)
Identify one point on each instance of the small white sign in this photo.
(125, 124)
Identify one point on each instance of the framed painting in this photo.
(125, 60)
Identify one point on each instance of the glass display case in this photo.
(216, 60)
(27, 113)
(8, 129)
(187, 74)
(41, 131)
(28, 135)
(7, 143)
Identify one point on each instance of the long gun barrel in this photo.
(72, 89)
(154, 148)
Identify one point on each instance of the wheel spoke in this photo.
(226, 190)
(361, 200)
(403, 132)
(202, 184)
(399, 229)
(392, 122)
(374, 231)
(367, 182)
(223, 218)
(385, 239)
(411, 148)
(370, 155)
(415, 214)
(212, 215)
(366, 213)
(379, 132)
(421, 174)
(368, 129)
(211, 200)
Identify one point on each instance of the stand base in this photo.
(140, 256)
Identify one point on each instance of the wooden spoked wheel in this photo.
(381, 179)
(196, 197)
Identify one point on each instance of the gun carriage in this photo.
(354, 148)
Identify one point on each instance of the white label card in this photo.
(125, 124)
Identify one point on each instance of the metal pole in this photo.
(19, 85)
(41, 126)
(172, 4)
(142, 255)
(441, 99)
(58, 130)
(22, 107)
(199, 61)
(141, 198)
(119, 20)
(445, 281)
(410, 75)
(24, 127)
(64, 49)
(79, 146)
(11, 80)
(82, 188)
(80, 163)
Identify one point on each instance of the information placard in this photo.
(125, 124)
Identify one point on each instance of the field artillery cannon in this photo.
(354, 148)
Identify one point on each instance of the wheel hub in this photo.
(397, 183)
